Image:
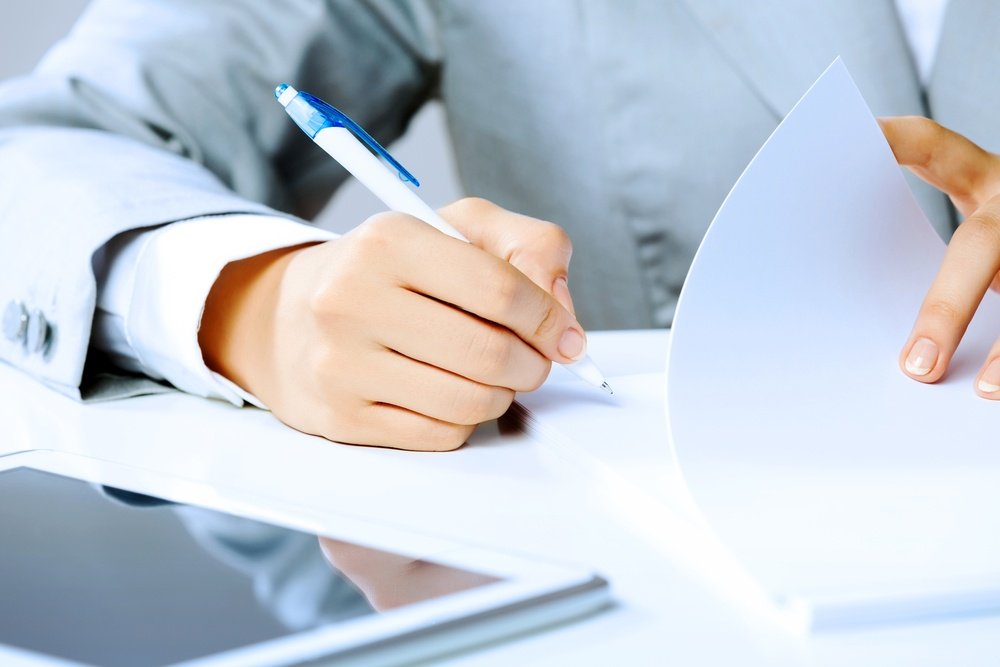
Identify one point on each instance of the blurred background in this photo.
(28, 29)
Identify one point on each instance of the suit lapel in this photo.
(777, 48)
(780, 47)
(964, 90)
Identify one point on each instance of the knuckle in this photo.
(982, 229)
(539, 374)
(443, 437)
(928, 134)
(325, 295)
(471, 207)
(492, 352)
(549, 321)
(558, 237)
(376, 233)
(928, 126)
(471, 404)
(318, 301)
(941, 310)
(325, 302)
(929, 129)
(455, 436)
(502, 398)
(504, 289)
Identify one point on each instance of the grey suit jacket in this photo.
(624, 121)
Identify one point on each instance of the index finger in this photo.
(943, 158)
(970, 265)
(472, 279)
(540, 250)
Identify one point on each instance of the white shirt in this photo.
(922, 21)
(152, 285)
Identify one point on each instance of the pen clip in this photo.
(338, 117)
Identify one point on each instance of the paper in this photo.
(827, 471)
(616, 432)
(626, 431)
(618, 444)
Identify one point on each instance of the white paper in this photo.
(829, 472)
(619, 445)
(626, 432)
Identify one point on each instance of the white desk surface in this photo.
(506, 489)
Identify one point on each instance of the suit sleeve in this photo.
(154, 112)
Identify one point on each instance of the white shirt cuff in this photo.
(152, 290)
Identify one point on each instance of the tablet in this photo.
(109, 565)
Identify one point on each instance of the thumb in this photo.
(540, 250)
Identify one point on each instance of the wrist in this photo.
(236, 334)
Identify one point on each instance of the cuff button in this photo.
(37, 335)
(15, 322)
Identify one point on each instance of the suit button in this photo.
(15, 322)
(37, 335)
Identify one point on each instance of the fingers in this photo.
(451, 339)
(540, 250)
(391, 426)
(489, 287)
(433, 392)
(971, 177)
(988, 380)
(397, 335)
(970, 265)
(945, 159)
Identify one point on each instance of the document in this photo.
(842, 485)
(614, 432)
(619, 444)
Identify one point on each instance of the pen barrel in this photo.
(342, 146)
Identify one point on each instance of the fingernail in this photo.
(923, 355)
(989, 381)
(572, 344)
(560, 290)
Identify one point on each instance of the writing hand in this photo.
(395, 334)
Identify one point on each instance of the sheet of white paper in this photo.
(828, 471)
(619, 444)
(616, 432)
(626, 432)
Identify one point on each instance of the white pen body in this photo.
(343, 147)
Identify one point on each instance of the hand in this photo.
(395, 334)
(971, 177)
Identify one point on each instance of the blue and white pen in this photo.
(348, 143)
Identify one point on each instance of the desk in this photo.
(504, 489)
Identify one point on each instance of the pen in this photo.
(358, 152)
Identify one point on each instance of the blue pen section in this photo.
(312, 114)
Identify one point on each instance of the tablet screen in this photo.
(108, 577)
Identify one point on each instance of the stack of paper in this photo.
(839, 482)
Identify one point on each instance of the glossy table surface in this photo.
(509, 489)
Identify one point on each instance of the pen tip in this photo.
(607, 387)
(284, 93)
